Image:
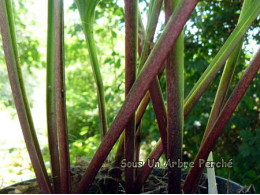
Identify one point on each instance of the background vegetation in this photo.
(209, 27)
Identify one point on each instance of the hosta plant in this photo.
(146, 58)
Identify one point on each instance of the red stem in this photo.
(194, 175)
(130, 72)
(147, 168)
(20, 100)
(61, 98)
(141, 85)
(175, 95)
(160, 111)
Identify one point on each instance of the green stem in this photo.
(221, 94)
(153, 15)
(151, 68)
(194, 175)
(222, 55)
(51, 101)
(87, 13)
(19, 94)
(226, 76)
(60, 95)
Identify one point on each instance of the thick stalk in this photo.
(19, 94)
(120, 149)
(175, 99)
(50, 101)
(219, 60)
(87, 14)
(140, 87)
(60, 96)
(27, 107)
(131, 40)
(193, 177)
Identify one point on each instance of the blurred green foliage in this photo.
(210, 25)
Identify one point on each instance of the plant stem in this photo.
(60, 96)
(87, 14)
(226, 77)
(175, 99)
(191, 182)
(193, 98)
(223, 88)
(50, 100)
(131, 40)
(120, 149)
(141, 85)
(146, 169)
(219, 60)
(19, 94)
(155, 88)
(141, 34)
(154, 12)
(137, 144)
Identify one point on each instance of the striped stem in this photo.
(19, 94)
(51, 101)
(60, 96)
(140, 87)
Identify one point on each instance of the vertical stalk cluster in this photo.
(139, 88)
(175, 99)
(19, 94)
(131, 40)
(219, 60)
(250, 14)
(87, 14)
(138, 91)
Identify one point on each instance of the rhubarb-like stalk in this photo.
(175, 99)
(87, 14)
(193, 177)
(140, 87)
(51, 101)
(131, 40)
(19, 94)
(60, 96)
